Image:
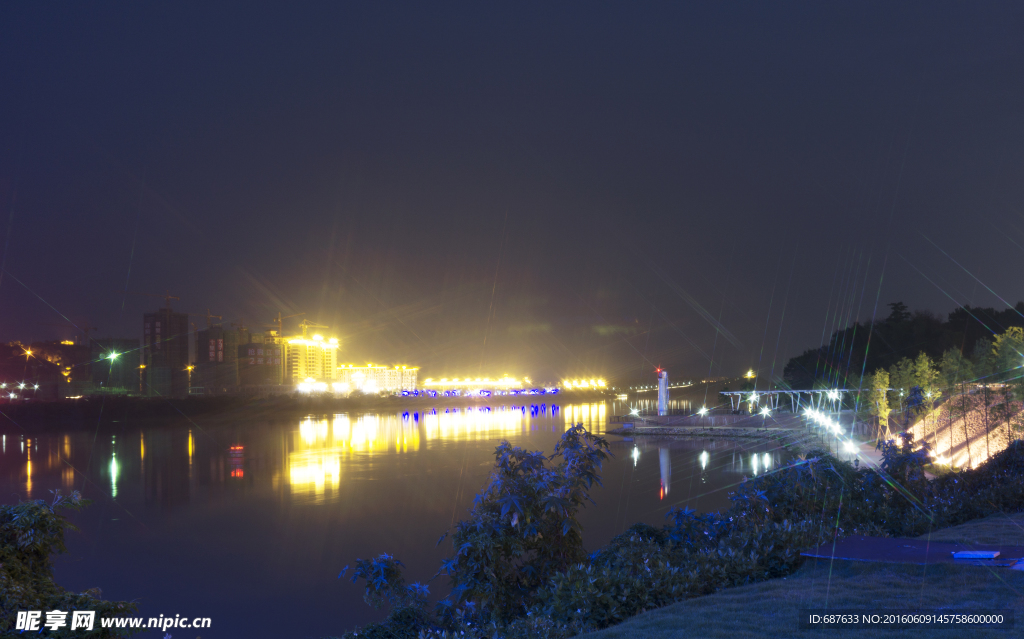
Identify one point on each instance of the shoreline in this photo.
(787, 437)
(90, 412)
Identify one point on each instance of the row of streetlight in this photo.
(21, 386)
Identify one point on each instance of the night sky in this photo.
(542, 189)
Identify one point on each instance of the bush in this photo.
(30, 533)
(519, 568)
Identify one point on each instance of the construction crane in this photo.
(208, 315)
(167, 297)
(306, 325)
(279, 323)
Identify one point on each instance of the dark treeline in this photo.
(862, 348)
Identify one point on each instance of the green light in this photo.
(112, 356)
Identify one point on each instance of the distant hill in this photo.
(866, 346)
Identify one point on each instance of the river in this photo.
(250, 523)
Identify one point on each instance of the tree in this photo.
(898, 313)
(879, 401)
(524, 527)
(31, 532)
(983, 359)
(954, 368)
(901, 378)
(925, 376)
(1008, 352)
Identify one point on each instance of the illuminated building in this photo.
(165, 353)
(583, 384)
(72, 363)
(315, 358)
(376, 379)
(470, 383)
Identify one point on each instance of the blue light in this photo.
(485, 393)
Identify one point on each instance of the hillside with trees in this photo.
(854, 353)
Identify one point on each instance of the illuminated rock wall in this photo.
(965, 440)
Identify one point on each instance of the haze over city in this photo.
(533, 189)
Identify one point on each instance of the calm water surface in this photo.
(250, 523)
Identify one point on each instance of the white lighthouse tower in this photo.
(662, 392)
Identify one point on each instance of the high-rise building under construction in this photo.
(165, 353)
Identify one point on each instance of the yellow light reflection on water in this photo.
(319, 446)
(590, 415)
(472, 423)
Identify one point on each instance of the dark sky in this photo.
(541, 189)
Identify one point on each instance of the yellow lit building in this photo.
(471, 383)
(315, 358)
(583, 384)
(376, 379)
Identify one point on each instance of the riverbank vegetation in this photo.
(31, 532)
(518, 568)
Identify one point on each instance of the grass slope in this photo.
(770, 609)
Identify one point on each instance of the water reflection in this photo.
(320, 448)
(665, 462)
(708, 462)
(114, 471)
(321, 491)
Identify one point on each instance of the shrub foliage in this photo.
(518, 567)
(30, 533)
